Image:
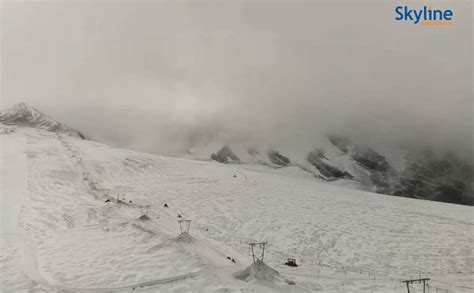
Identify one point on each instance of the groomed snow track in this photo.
(138, 286)
(343, 240)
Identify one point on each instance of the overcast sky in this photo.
(161, 75)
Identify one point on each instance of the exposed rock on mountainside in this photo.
(414, 173)
(25, 115)
(382, 182)
(424, 174)
(377, 167)
(225, 155)
(440, 178)
(277, 158)
(370, 159)
(317, 158)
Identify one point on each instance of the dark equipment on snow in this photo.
(107, 200)
(165, 205)
(291, 262)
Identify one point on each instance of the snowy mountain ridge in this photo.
(24, 114)
(72, 214)
(410, 173)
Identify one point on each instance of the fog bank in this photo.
(161, 76)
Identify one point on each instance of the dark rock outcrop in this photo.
(454, 193)
(277, 158)
(377, 168)
(381, 182)
(440, 178)
(316, 157)
(225, 155)
(370, 159)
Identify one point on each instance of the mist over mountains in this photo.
(394, 170)
(167, 76)
(160, 145)
(181, 79)
(415, 173)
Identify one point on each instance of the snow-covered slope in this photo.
(60, 234)
(25, 115)
(394, 170)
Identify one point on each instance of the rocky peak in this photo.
(225, 155)
(23, 114)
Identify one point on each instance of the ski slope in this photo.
(59, 234)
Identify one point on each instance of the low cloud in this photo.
(161, 76)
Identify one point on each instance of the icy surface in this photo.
(59, 234)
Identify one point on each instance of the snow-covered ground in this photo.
(59, 234)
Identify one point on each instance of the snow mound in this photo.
(257, 271)
(25, 115)
(184, 238)
(144, 217)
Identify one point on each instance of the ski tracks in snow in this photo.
(84, 244)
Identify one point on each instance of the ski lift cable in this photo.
(447, 283)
